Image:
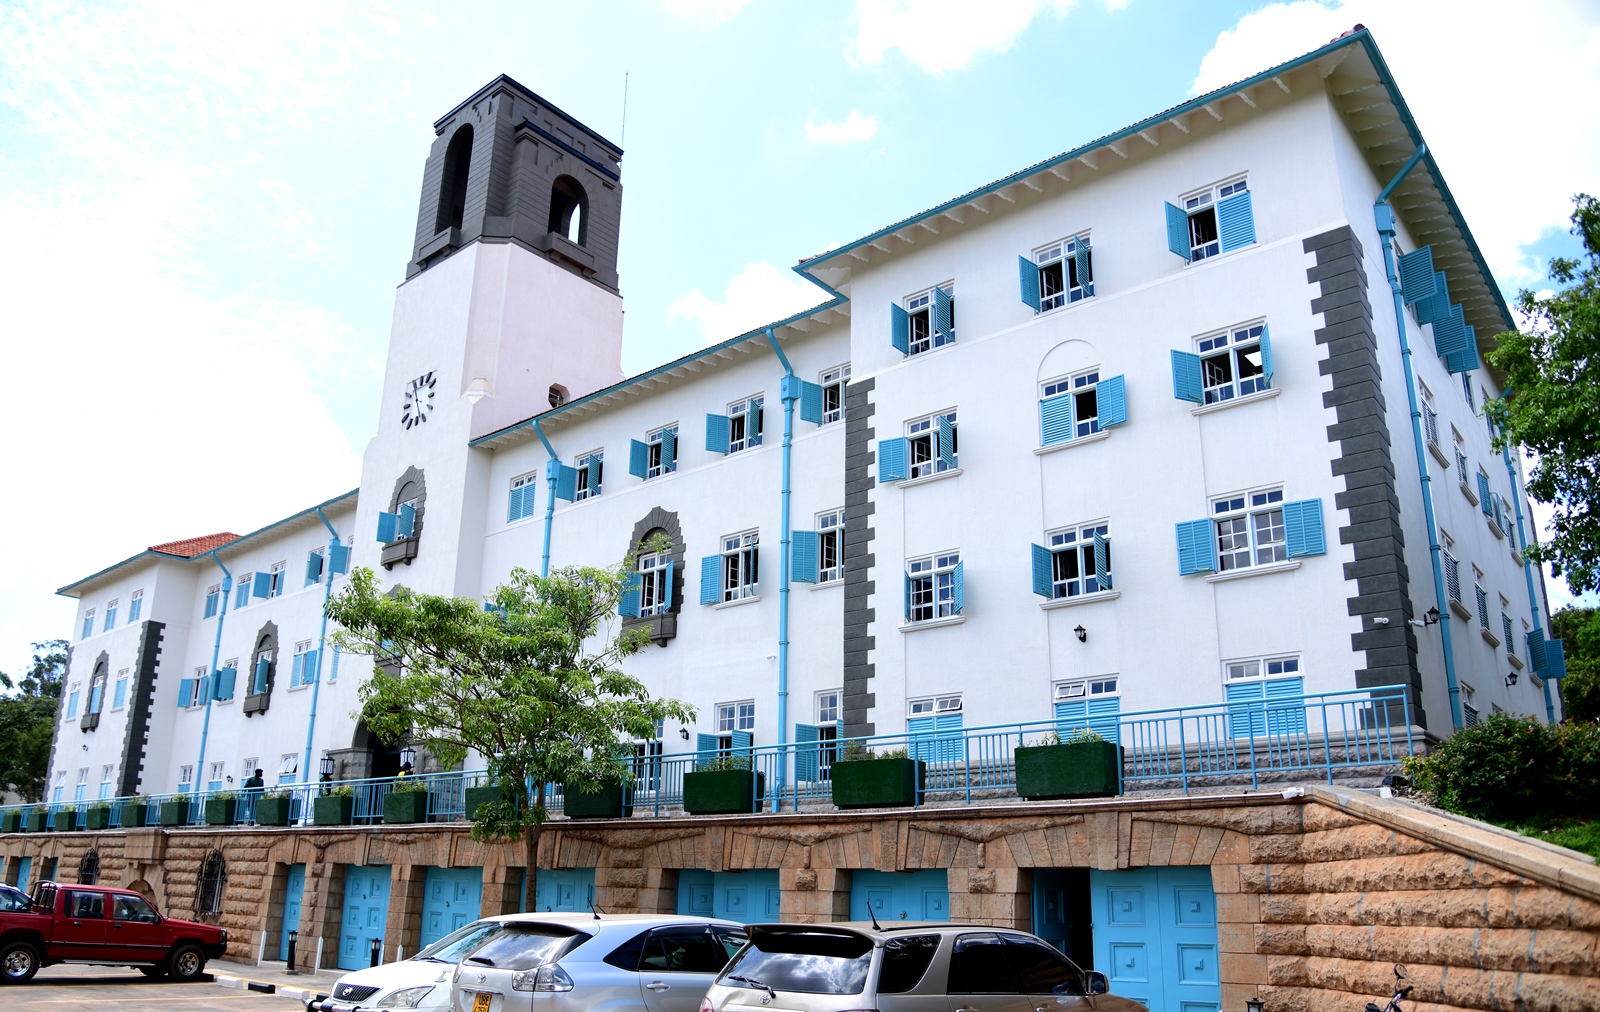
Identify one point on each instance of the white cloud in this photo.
(757, 295)
(941, 35)
(855, 127)
(707, 13)
(1496, 93)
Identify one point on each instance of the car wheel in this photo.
(19, 961)
(186, 963)
(153, 971)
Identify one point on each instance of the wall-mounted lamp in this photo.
(408, 757)
(1430, 618)
(327, 768)
(1082, 634)
(685, 732)
(1255, 1005)
(1511, 679)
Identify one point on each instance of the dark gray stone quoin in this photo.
(857, 557)
(141, 699)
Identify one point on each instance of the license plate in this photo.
(480, 1002)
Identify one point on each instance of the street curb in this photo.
(262, 987)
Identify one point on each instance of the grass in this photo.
(1579, 835)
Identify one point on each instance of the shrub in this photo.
(409, 785)
(345, 791)
(1513, 769)
(721, 763)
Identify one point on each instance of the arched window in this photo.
(569, 210)
(89, 868)
(208, 891)
(453, 185)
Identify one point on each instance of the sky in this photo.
(209, 206)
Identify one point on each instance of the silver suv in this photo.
(905, 968)
(583, 962)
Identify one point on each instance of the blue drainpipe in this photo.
(322, 640)
(1383, 215)
(1527, 571)
(550, 498)
(790, 392)
(216, 651)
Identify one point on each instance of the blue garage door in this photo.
(564, 889)
(293, 891)
(899, 896)
(1155, 937)
(366, 910)
(451, 897)
(749, 897)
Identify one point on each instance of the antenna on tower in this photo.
(623, 140)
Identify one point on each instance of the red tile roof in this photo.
(188, 548)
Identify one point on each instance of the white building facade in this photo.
(1131, 429)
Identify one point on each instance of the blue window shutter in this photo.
(1465, 358)
(339, 557)
(121, 695)
(638, 458)
(628, 606)
(185, 693)
(313, 568)
(1449, 333)
(386, 522)
(1417, 275)
(948, 733)
(262, 585)
(900, 329)
(958, 590)
(705, 748)
(1247, 715)
(1286, 708)
(1266, 354)
(942, 322)
(1043, 572)
(94, 698)
(810, 403)
(1028, 275)
(263, 671)
(753, 426)
(947, 441)
(742, 742)
(227, 678)
(1303, 531)
(1197, 552)
(803, 553)
(313, 661)
(1538, 656)
(1104, 718)
(203, 691)
(1236, 222)
(1555, 657)
(1071, 714)
(891, 460)
(666, 585)
(1178, 231)
(1186, 384)
(1112, 396)
(716, 433)
(921, 731)
(1055, 419)
(566, 482)
(407, 526)
(807, 754)
(669, 451)
(1436, 306)
(1082, 258)
(596, 469)
(1102, 561)
(907, 578)
(1483, 494)
(710, 579)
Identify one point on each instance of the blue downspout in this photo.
(790, 393)
(550, 498)
(1383, 215)
(216, 651)
(1527, 571)
(322, 641)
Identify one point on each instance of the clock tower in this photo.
(510, 305)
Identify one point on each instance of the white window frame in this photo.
(520, 481)
(741, 566)
(88, 624)
(1059, 284)
(829, 701)
(591, 470)
(1084, 386)
(1072, 552)
(218, 773)
(739, 715)
(652, 568)
(288, 766)
(932, 706)
(652, 439)
(185, 778)
(111, 615)
(1254, 529)
(922, 455)
(1201, 205)
(195, 696)
(1225, 355)
(108, 773)
(833, 381)
(830, 546)
(121, 679)
(135, 605)
(242, 590)
(298, 677)
(933, 594)
(208, 609)
(920, 309)
(1100, 686)
(1269, 667)
(739, 413)
(280, 572)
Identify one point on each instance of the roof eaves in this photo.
(239, 542)
(68, 590)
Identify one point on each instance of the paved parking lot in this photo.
(94, 987)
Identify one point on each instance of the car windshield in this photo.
(811, 962)
(525, 946)
(459, 942)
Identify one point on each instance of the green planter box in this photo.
(98, 818)
(66, 822)
(272, 811)
(722, 792)
(405, 806)
(37, 822)
(10, 822)
(1086, 769)
(135, 816)
(175, 812)
(605, 805)
(877, 783)
(331, 810)
(481, 796)
(221, 811)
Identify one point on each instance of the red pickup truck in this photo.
(98, 924)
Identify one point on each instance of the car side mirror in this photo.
(1096, 983)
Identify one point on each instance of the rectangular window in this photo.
(315, 560)
(280, 579)
(1430, 416)
(106, 773)
(523, 489)
(741, 565)
(1452, 576)
(1511, 643)
(1482, 598)
(195, 694)
(88, 623)
(1073, 567)
(185, 779)
(288, 768)
(72, 700)
(736, 716)
(1233, 363)
(931, 319)
(662, 444)
(933, 705)
(218, 771)
(213, 598)
(1089, 705)
(119, 697)
(1264, 696)
(1064, 277)
(1206, 225)
(744, 424)
(1080, 393)
(932, 444)
(591, 470)
(241, 595)
(833, 383)
(932, 583)
(827, 732)
(828, 706)
(302, 670)
(111, 615)
(655, 589)
(135, 606)
(1249, 535)
(830, 541)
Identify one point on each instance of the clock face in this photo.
(419, 400)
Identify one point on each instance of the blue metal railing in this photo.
(1182, 749)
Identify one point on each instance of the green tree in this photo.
(1579, 630)
(1553, 374)
(529, 680)
(28, 720)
